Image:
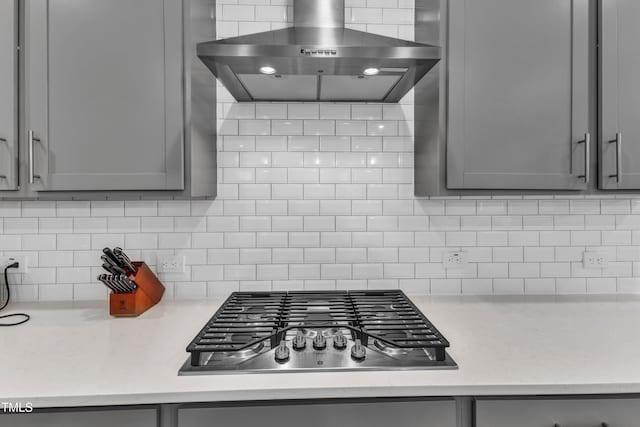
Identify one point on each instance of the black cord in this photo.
(25, 316)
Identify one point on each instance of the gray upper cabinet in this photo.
(518, 111)
(620, 95)
(8, 95)
(104, 95)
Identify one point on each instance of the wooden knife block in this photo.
(146, 295)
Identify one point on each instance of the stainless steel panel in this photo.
(362, 88)
(262, 360)
(269, 88)
(318, 13)
(310, 50)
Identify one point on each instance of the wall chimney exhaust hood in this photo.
(318, 60)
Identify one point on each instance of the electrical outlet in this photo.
(23, 260)
(171, 263)
(454, 259)
(595, 259)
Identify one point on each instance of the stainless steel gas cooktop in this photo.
(317, 331)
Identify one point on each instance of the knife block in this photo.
(146, 295)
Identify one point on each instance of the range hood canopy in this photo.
(318, 60)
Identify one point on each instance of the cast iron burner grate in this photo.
(247, 321)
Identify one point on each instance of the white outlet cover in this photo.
(171, 263)
(454, 259)
(595, 260)
(22, 259)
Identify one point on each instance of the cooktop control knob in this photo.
(319, 342)
(299, 341)
(282, 352)
(339, 342)
(358, 351)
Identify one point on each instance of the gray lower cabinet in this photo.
(103, 95)
(90, 418)
(518, 105)
(620, 94)
(8, 94)
(587, 412)
(416, 413)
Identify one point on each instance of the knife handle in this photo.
(109, 253)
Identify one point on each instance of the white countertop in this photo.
(75, 354)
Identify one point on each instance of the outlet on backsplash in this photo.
(595, 259)
(171, 263)
(454, 259)
(22, 259)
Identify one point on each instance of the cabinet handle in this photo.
(3, 140)
(587, 157)
(32, 161)
(601, 425)
(618, 142)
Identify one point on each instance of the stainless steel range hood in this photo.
(318, 60)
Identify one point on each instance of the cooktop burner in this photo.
(317, 331)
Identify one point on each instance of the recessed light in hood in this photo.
(318, 60)
(267, 70)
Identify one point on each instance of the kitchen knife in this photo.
(109, 253)
(126, 263)
(102, 278)
(108, 267)
(118, 270)
(121, 283)
(117, 284)
(110, 284)
(130, 284)
(107, 260)
(124, 258)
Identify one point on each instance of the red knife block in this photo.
(146, 295)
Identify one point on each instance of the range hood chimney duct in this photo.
(318, 13)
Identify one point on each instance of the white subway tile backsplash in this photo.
(351, 191)
(585, 206)
(338, 143)
(72, 208)
(351, 223)
(320, 196)
(287, 223)
(319, 191)
(351, 160)
(351, 127)
(304, 271)
(329, 239)
(237, 13)
(319, 127)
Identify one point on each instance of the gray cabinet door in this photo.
(104, 108)
(518, 94)
(8, 95)
(620, 94)
(370, 414)
(92, 418)
(563, 412)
